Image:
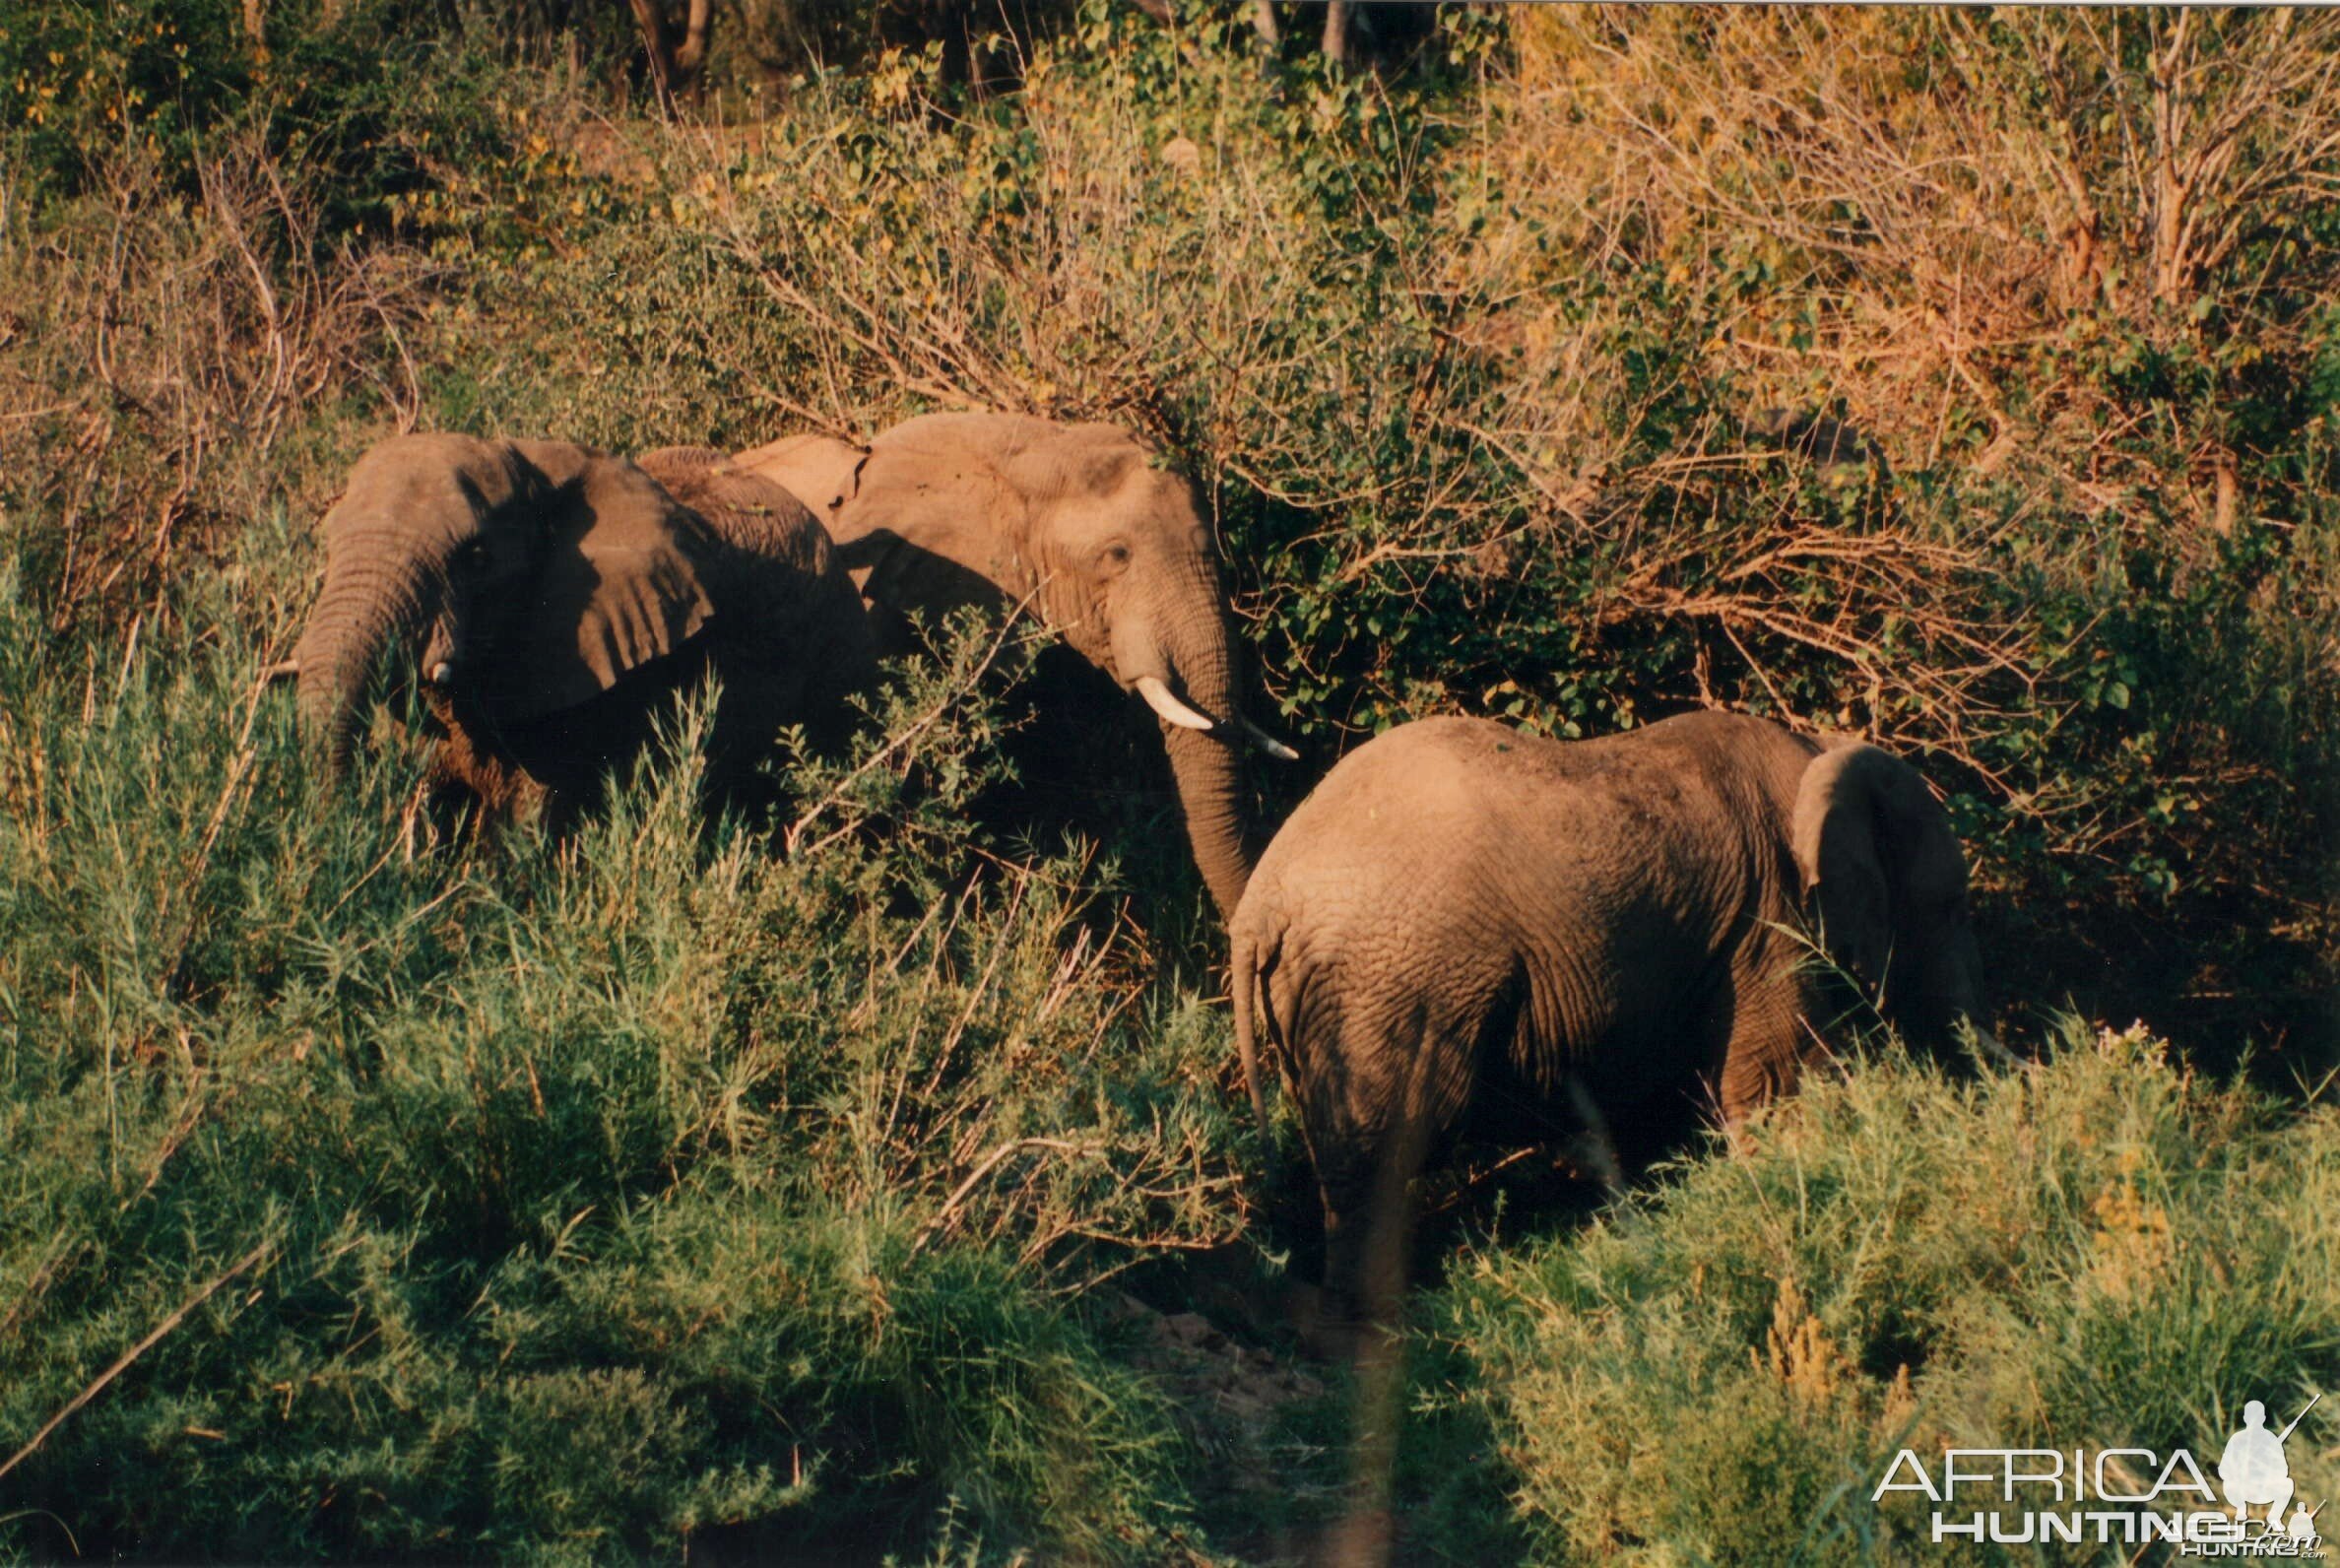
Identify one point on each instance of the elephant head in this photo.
(1883, 873)
(528, 578)
(1085, 526)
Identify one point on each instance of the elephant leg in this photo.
(1398, 1082)
(1368, 1230)
(1366, 1233)
(1378, 1080)
(1769, 1033)
(1368, 1244)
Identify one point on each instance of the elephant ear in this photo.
(820, 471)
(797, 639)
(1865, 832)
(623, 583)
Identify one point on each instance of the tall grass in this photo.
(821, 1184)
(520, 1196)
(2106, 1251)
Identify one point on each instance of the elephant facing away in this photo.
(1083, 524)
(1467, 921)
(551, 600)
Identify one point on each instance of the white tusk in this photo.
(440, 673)
(1157, 697)
(1269, 743)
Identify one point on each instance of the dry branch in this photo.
(122, 1363)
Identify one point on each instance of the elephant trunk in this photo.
(1943, 987)
(1194, 655)
(379, 588)
(1208, 771)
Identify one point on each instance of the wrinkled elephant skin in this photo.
(549, 600)
(1081, 525)
(1467, 919)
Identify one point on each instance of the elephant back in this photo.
(744, 509)
(794, 604)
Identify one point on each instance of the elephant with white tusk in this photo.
(1467, 920)
(1083, 524)
(553, 600)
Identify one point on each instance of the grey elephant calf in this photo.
(553, 600)
(1464, 918)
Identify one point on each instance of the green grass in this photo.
(577, 1198)
(368, 1192)
(2106, 1250)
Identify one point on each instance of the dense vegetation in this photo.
(1963, 379)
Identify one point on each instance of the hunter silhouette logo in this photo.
(2253, 1473)
(2123, 1497)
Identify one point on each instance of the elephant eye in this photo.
(1115, 556)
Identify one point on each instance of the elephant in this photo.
(1083, 524)
(1468, 925)
(553, 599)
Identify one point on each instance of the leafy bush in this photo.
(507, 1197)
(1481, 409)
(2088, 461)
(374, 96)
(372, 1194)
(2105, 1250)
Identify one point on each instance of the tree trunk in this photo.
(1336, 34)
(690, 58)
(675, 64)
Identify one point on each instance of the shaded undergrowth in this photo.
(869, 1180)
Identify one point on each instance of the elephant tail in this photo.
(1249, 1000)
